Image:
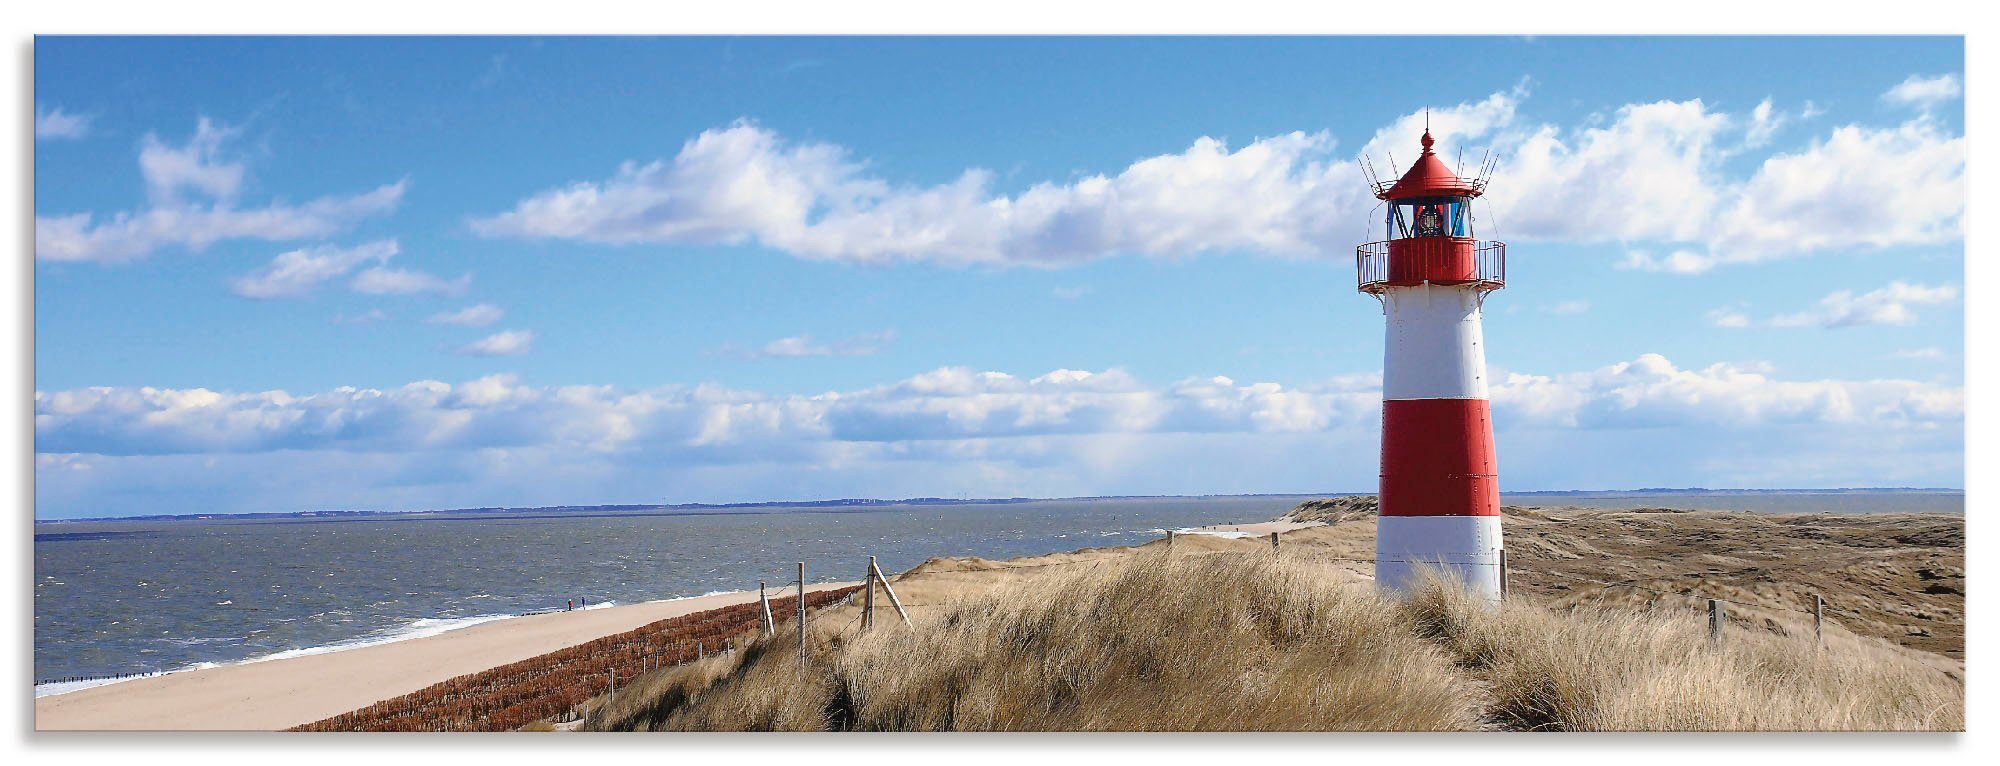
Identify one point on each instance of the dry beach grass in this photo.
(1216, 637)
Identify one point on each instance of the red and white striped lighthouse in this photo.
(1440, 488)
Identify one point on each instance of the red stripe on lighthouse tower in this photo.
(1440, 489)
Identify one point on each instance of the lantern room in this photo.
(1428, 236)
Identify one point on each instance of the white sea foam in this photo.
(429, 626)
(47, 690)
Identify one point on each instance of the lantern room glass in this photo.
(1430, 217)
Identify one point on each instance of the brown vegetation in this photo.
(511, 696)
(1896, 576)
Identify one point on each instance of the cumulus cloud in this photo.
(192, 192)
(504, 343)
(1857, 188)
(1651, 392)
(477, 315)
(54, 123)
(298, 272)
(947, 404)
(1892, 305)
(382, 280)
(498, 440)
(799, 346)
(1651, 173)
(745, 183)
(1924, 91)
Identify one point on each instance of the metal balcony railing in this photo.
(1488, 266)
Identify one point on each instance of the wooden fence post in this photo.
(1714, 620)
(613, 692)
(893, 601)
(764, 608)
(868, 598)
(802, 612)
(1170, 540)
(1503, 574)
(1274, 542)
(1819, 620)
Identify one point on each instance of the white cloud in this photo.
(1857, 188)
(1927, 352)
(1730, 319)
(746, 184)
(799, 346)
(504, 343)
(196, 166)
(952, 403)
(1567, 308)
(1651, 392)
(478, 315)
(1924, 92)
(954, 430)
(1765, 120)
(1891, 305)
(1676, 262)
(56, 123)
(191, 191)
(1592, 184)
(298, 272)
(1647, 173)
(370, 316)
(382, 280)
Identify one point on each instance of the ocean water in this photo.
(120, 597)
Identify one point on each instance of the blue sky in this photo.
(289, 274)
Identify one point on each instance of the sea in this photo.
(123, 597)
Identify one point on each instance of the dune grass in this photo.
(1249, 642)
(1618, 669)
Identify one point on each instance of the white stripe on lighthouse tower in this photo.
(1440, 500)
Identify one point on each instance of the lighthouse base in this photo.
(1463, 547)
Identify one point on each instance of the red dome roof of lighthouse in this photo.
(1428, 177)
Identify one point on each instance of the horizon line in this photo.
(934, 500)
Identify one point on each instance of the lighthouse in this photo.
(1440, 493)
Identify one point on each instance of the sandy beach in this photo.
(279, 694)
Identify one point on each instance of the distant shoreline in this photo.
(863, 504)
